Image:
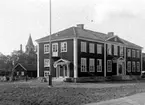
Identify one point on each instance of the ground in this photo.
(36, 93)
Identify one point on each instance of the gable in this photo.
(115, 39)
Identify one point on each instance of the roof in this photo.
(82, 33)
(30, 42)
(28, 67)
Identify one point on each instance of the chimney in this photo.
(110, 34)
(21, 47)
(80, 26)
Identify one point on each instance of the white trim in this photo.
(55, 40)
(62, 46)
(20, 65)
(45, 48)
(124, 52)
(141, 61)
(105, 60)
(75, 57)
(38, 61)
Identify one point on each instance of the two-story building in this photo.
(78, 52)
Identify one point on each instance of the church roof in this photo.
(30, 42)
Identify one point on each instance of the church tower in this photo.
(30, 47)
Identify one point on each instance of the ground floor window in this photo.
(109, 66)
(133, 66)
(99, 65)
(83, 65)
(22, 73)
(138, 66)
(92, 65)
(46, 73)
(129, 66)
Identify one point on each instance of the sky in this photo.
(20, 18)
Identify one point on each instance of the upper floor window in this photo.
(133, 53)
(46, 48)
(133, 66)
(46, 63)
(99, 49)
(99, 65)
(129, 66)
(115, 50)
(91, 48)
(128, 52)
(109, 65)
(138, 66)
(83, 65)
(138, 54)
(54, 47)
(83, 47)
(92, 65)
(109, 49)
(121, 50)
(63, 46)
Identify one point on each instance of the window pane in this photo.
(91, 48)
(83, 46)
(99, 65)
(92, 65)
(115, 50)
(109, 66)
(109, 49)
(99, 49)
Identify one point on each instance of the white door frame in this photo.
(58, 71)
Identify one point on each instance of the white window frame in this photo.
(46, 48)
(99, 65)
(83, 64)
(91, 48)
(133, 66)
(133, 53)
(128, 66)
(63, 46)
(128, 52)
(138, 66)
(46, 74)
(138, 54)
(115, 49)
(99, 48)
(54, 49)
(83, 46)
(91, 65)
(46, 63)
(17, 73)
(109, 49)
(22, 73)
(121, 52)
(109, 66)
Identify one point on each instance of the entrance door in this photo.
(121, 68)
(62, 71)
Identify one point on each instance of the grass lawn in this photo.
(64, 93)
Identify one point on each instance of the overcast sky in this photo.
(19, 18)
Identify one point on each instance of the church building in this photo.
(79, 52)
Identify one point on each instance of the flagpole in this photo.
(50, 52)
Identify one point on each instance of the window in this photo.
(17, 73)
(63, 46)
(54, 47)
(46, 63)
(121, 50)
(138, 66)
(129, 66)
(99, 65)
(22, 73)
(109, 65)
(83, 65)
(46, 48)
(109, 49)
(46, 73)
(83, 47)
(99, 49)
(133, 53)
(128, 52)
(91, 48)
(92, 65)
(115, 50)
(138, 54)
(133, 66)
